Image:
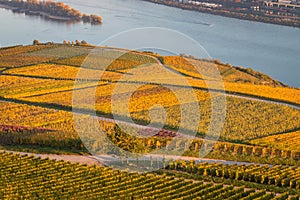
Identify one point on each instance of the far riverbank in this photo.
(227, 13)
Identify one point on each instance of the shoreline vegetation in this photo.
(226, 13)
(50, 10)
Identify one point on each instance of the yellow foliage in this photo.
(20, 49)
(285, 141)
(64, 72)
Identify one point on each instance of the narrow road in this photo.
(101, 160)
(88, 160)
(108, 158)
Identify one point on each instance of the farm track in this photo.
(100, 160)
(88, 160)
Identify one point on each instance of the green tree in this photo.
(36, 42)
(83, 42)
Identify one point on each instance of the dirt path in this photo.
(89, 160)
(105, 159)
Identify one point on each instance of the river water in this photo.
(272, 49)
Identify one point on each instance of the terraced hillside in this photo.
(41, 85)
(38, 87)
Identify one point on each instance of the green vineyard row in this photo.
(282, 176)
(35, 178)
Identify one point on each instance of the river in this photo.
(272, 49)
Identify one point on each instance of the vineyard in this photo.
(51, 84)
(60, 52)
(17, 87)
(282, 176)
(188, 66)
(283, 94)
(252, 83)
(258, 119)
(111, 60)
(288, 141)
(35, 178)
(60, 133)
(38, 85)
(255, 119)
(63, 72)
(8, 51)
(236, 79)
